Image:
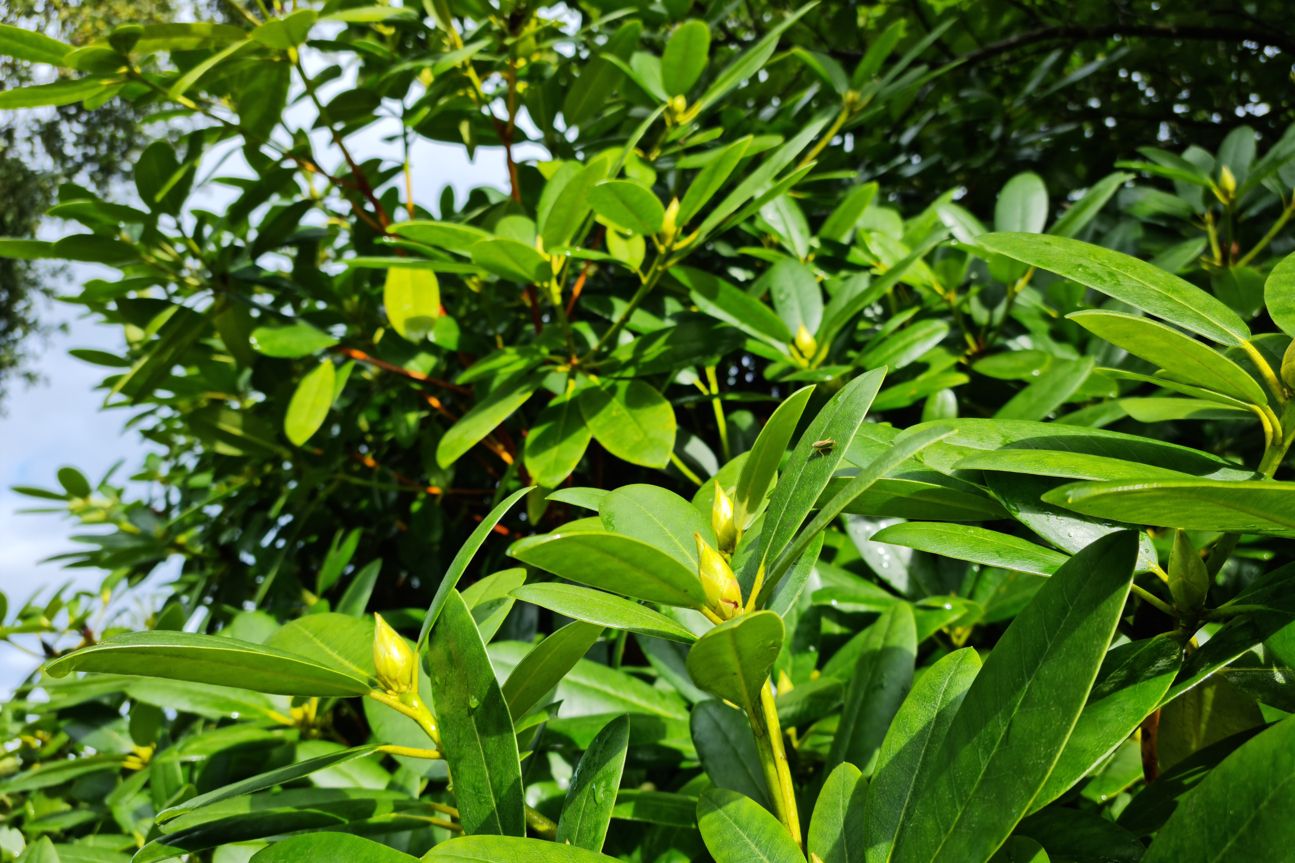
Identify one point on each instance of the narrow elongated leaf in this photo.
(880, 681)
(31, 46)
(331, 846)
(761, 464)
(587, 810)
(310, 403)
(1241, 811)
(1083, 211)
(1181, 357)
(295, 340)
(911, 741)
(1019, 713)
(1133, 679)
(1047, 394)
(749, 62)
(1256, 506)
(464, 556)
(710, 179)
(736, 830)
(604, 609)
(1125, 278)
(494, 849)
(734, 659)
(836, 829)
(485, 416)
(685, 56)
(210, 659)
(546, 664)
(732, 305)
(609, 561)
(975, 544)
(476, 729)
(64, 92)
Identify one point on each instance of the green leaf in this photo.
(609, 561)
(628, 206)
(1065, 464)
(1022, 205)
(290, 342)
(511, 260)
(412, 298)
(761, 465)
(503, 400)
(210, 659)
(975, 544)
(1279, 295)
(734, 659)
(1181, 357)
(734, 306)
(1241, 811)
(726, 746)
(561, 214)
(749, 62)
(631, 420)
(330, 846)
(1125, 278)
(31, 46)
(587, 810)
(711, 178)
(736, 830)
(546, 664)
(603, 609)
(287, 32)
(685, 56)
(65, 92)
(836, 830)
(877, 687)
(1083, 211)
(795, 293)
(1133, 679)
(41, 850)
(1020, 711)
(659, 517)
(910, 743)
(1256, 506)
(557, 441)
(269, 779)
(494, 849)
(310, 403)
(463, 557)
(477, 733)
(1042, 397)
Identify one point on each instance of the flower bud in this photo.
(1189, 580)
(723, 595)
(806, 345)
(1228, 182)
(670, 224)
(394, 659)
(722, 521)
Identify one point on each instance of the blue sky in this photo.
(59, 422)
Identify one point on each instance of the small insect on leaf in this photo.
(824, 446)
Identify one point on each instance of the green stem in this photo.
(1151, 599)
(654, 274)
(842, 117)
(685, 470)
(1271, 235)
(718, 407)
(773, 760)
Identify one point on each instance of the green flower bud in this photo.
(1228, 182)
(670, 224)
(723, 595)
(806, 345)
(1189, 580)
(394, 659)
(722, 521)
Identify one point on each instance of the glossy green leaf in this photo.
(604, 609)
(511, 260)
(310, 403)
(295, 340)
(734, 659)
(880, 681)
(65, 92)
(330, 846)
(210, 659)
(795, 294)
(761, 465)
(1079, 214)
(659, 517)
(983, 779)
(495, 849)
(836, 830)
(732, 305)
(486, 415)
(748, 63)
(1279, 294)
(975, 544)
(1064, 464)
(1256, 506)
(1133, 679)
(568, 207)
(737, 830)
(557, 442)
(910, 743)
(1022, 205)
(711, 179)
(587, 810)
(1125, 278)
(1181, 357)
(477, 733)
(412, 298)
(1241, 811)
(1048, 393)
(609, 561)
(463, 558)
(31, 46)
(631, 420)
(726, 746)
(684, 59)
(546, 664)
(628, 206)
